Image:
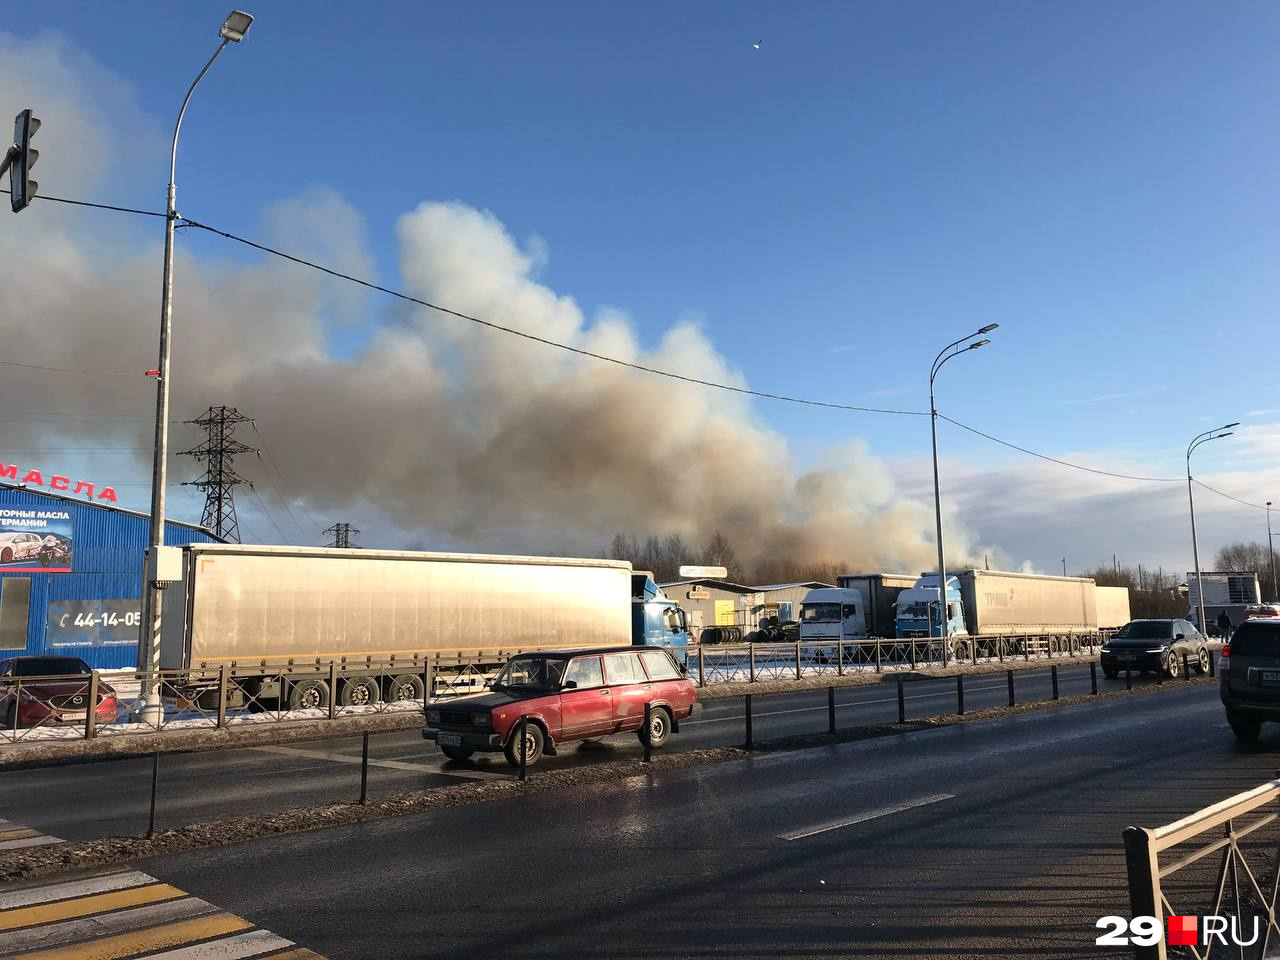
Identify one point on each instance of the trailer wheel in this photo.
(309, 695)
(407, 686)
(359, 692)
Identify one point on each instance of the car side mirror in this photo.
(1179, 636)
(570, 685)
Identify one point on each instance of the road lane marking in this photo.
(864, 817)
(83, 906)
(386, 764)
(129, 914)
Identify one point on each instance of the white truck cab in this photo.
(832, 613)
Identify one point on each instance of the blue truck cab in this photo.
(917, 614)
(655, 620)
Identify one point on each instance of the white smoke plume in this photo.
(420, 427)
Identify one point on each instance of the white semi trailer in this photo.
(292, 624)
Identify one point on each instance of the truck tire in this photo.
(308, 695)
(534, 740)
(659, 731)
(359, 692)
(407, 686)
(458, 753)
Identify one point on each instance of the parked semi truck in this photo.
(278, 617)
(997, 603)
(1224, 592)
(879, 593)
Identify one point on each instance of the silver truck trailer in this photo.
(1000, 603)
(289, 624)
(1113, 607)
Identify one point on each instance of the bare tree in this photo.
(1243, 557)
(719, 552)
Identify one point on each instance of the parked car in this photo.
(16, 546)
(48, 690)
(566, 695)
(1155, 645)
(1250, 672)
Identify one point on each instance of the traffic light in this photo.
(21, 187)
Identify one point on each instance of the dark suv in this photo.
(1250, 685)
(1155, 645)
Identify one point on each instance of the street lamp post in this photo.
(232, 31)
(1214, 434)
(947, 352)
(1271, 552)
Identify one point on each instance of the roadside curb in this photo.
(37, 862)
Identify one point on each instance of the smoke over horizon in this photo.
(443, 432)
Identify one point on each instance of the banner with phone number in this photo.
(93, 623)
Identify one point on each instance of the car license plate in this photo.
(1271, 678)
(449, 739)
(1126, 659)
(72, 717)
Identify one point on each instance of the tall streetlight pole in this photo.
(1214, 434)
(947, 352)
(1271, 552)
(232, 31)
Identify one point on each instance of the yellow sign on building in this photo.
(724, 613)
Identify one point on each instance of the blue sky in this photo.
(873, 182)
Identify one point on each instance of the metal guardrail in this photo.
(752, 662)
(213, 696)
(1249, 890)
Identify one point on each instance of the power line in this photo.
(1062, 463)
(99, 206)
(1256, 506)
(543, 340)
(271, 461)
(83, 373)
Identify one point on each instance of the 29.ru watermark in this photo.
(1179, 931)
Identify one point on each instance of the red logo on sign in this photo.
(1182, 932)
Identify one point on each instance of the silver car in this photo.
(19, 546)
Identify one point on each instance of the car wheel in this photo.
(6, 556)
(1202, 660)
(11, 717)
(533, 740)
(309, 695)
(359, 692)
(659, 731)
(407, 686)
(1246, 729)
(458, 753)
(1110, 673)
(1172, 665)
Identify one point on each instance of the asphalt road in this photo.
(107, 798)
(999, 838)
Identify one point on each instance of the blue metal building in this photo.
(71, 575)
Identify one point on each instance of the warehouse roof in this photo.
(811, 584)
(708, 582)
(37, 491)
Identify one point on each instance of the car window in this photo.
(623, 668)
(1256, 639)
(1145, 630)
(659, 665)
(584, 672)
(50, 667)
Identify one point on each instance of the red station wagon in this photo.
(567, 695)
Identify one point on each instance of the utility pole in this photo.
(1271, 549)
(342, 535)
(218, 453)
(1064, 566)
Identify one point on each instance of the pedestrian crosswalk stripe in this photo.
(48, 893)
(84, 906)
(128, 914)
